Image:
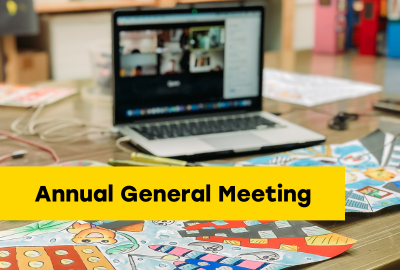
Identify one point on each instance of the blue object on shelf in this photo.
(352, 18)
(393, 39)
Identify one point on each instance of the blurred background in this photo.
(71, 38)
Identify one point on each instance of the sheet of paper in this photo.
(312, 90)
(26, 96)
(158, 244)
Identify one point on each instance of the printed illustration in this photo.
(380, 174)
(374, 192)
(53, 257)
(90, 233)
(163, 222)
(372, 177)
(208, 246)
(160, 246)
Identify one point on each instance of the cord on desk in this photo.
(26, 141)
(14, 155)
(123, 139)
(31, 127)
(4, 157)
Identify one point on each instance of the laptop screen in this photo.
(186, 62)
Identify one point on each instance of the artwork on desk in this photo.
(372, 178)
(26, 96)
(165, 245)
(312, 90)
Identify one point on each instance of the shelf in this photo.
(77, 6)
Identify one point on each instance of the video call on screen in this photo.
(190, 63)
(172, 51)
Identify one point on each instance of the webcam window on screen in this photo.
(221, 48)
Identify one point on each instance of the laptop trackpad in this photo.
(236, 141)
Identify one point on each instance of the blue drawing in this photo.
(345, 150)
(385, 203)
(364, 183)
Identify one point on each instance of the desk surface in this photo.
(378, 234)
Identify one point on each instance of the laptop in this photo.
(188, 84)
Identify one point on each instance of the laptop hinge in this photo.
(186, 117)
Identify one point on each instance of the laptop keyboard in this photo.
(202, 126)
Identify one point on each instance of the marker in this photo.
(144, 158)
(116, 162)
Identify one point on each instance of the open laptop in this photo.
(188, 83)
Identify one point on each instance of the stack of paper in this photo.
(26, 96)
(312, 90)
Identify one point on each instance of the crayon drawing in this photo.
(166, 245)
(372, 177)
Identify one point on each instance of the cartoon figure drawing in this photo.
(379, 174)
(207, 246)
(372, 192)
(267, 256)
(354, 158)
(163, 222)
(89, 233)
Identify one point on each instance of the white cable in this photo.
(123, 139)
(14, 124)
(56, 124)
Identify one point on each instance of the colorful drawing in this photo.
(380, 174)
(90, 233)
(229, 224)
(38, 228)
(372, 169)
(119, 225)
(53, 258)
(161, 247)
(374, 192)
(272, 229)
(213, 247)
(308, 244)
(163, 222)
(354, 158)
(192, 264)
(192, 254)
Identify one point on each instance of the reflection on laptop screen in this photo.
(180, 63)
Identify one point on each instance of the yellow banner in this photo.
(208, 193)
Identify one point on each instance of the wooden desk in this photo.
(378, 234)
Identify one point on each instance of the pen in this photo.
(116, 162)
(144, 158)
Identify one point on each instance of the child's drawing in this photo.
(80, 245)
